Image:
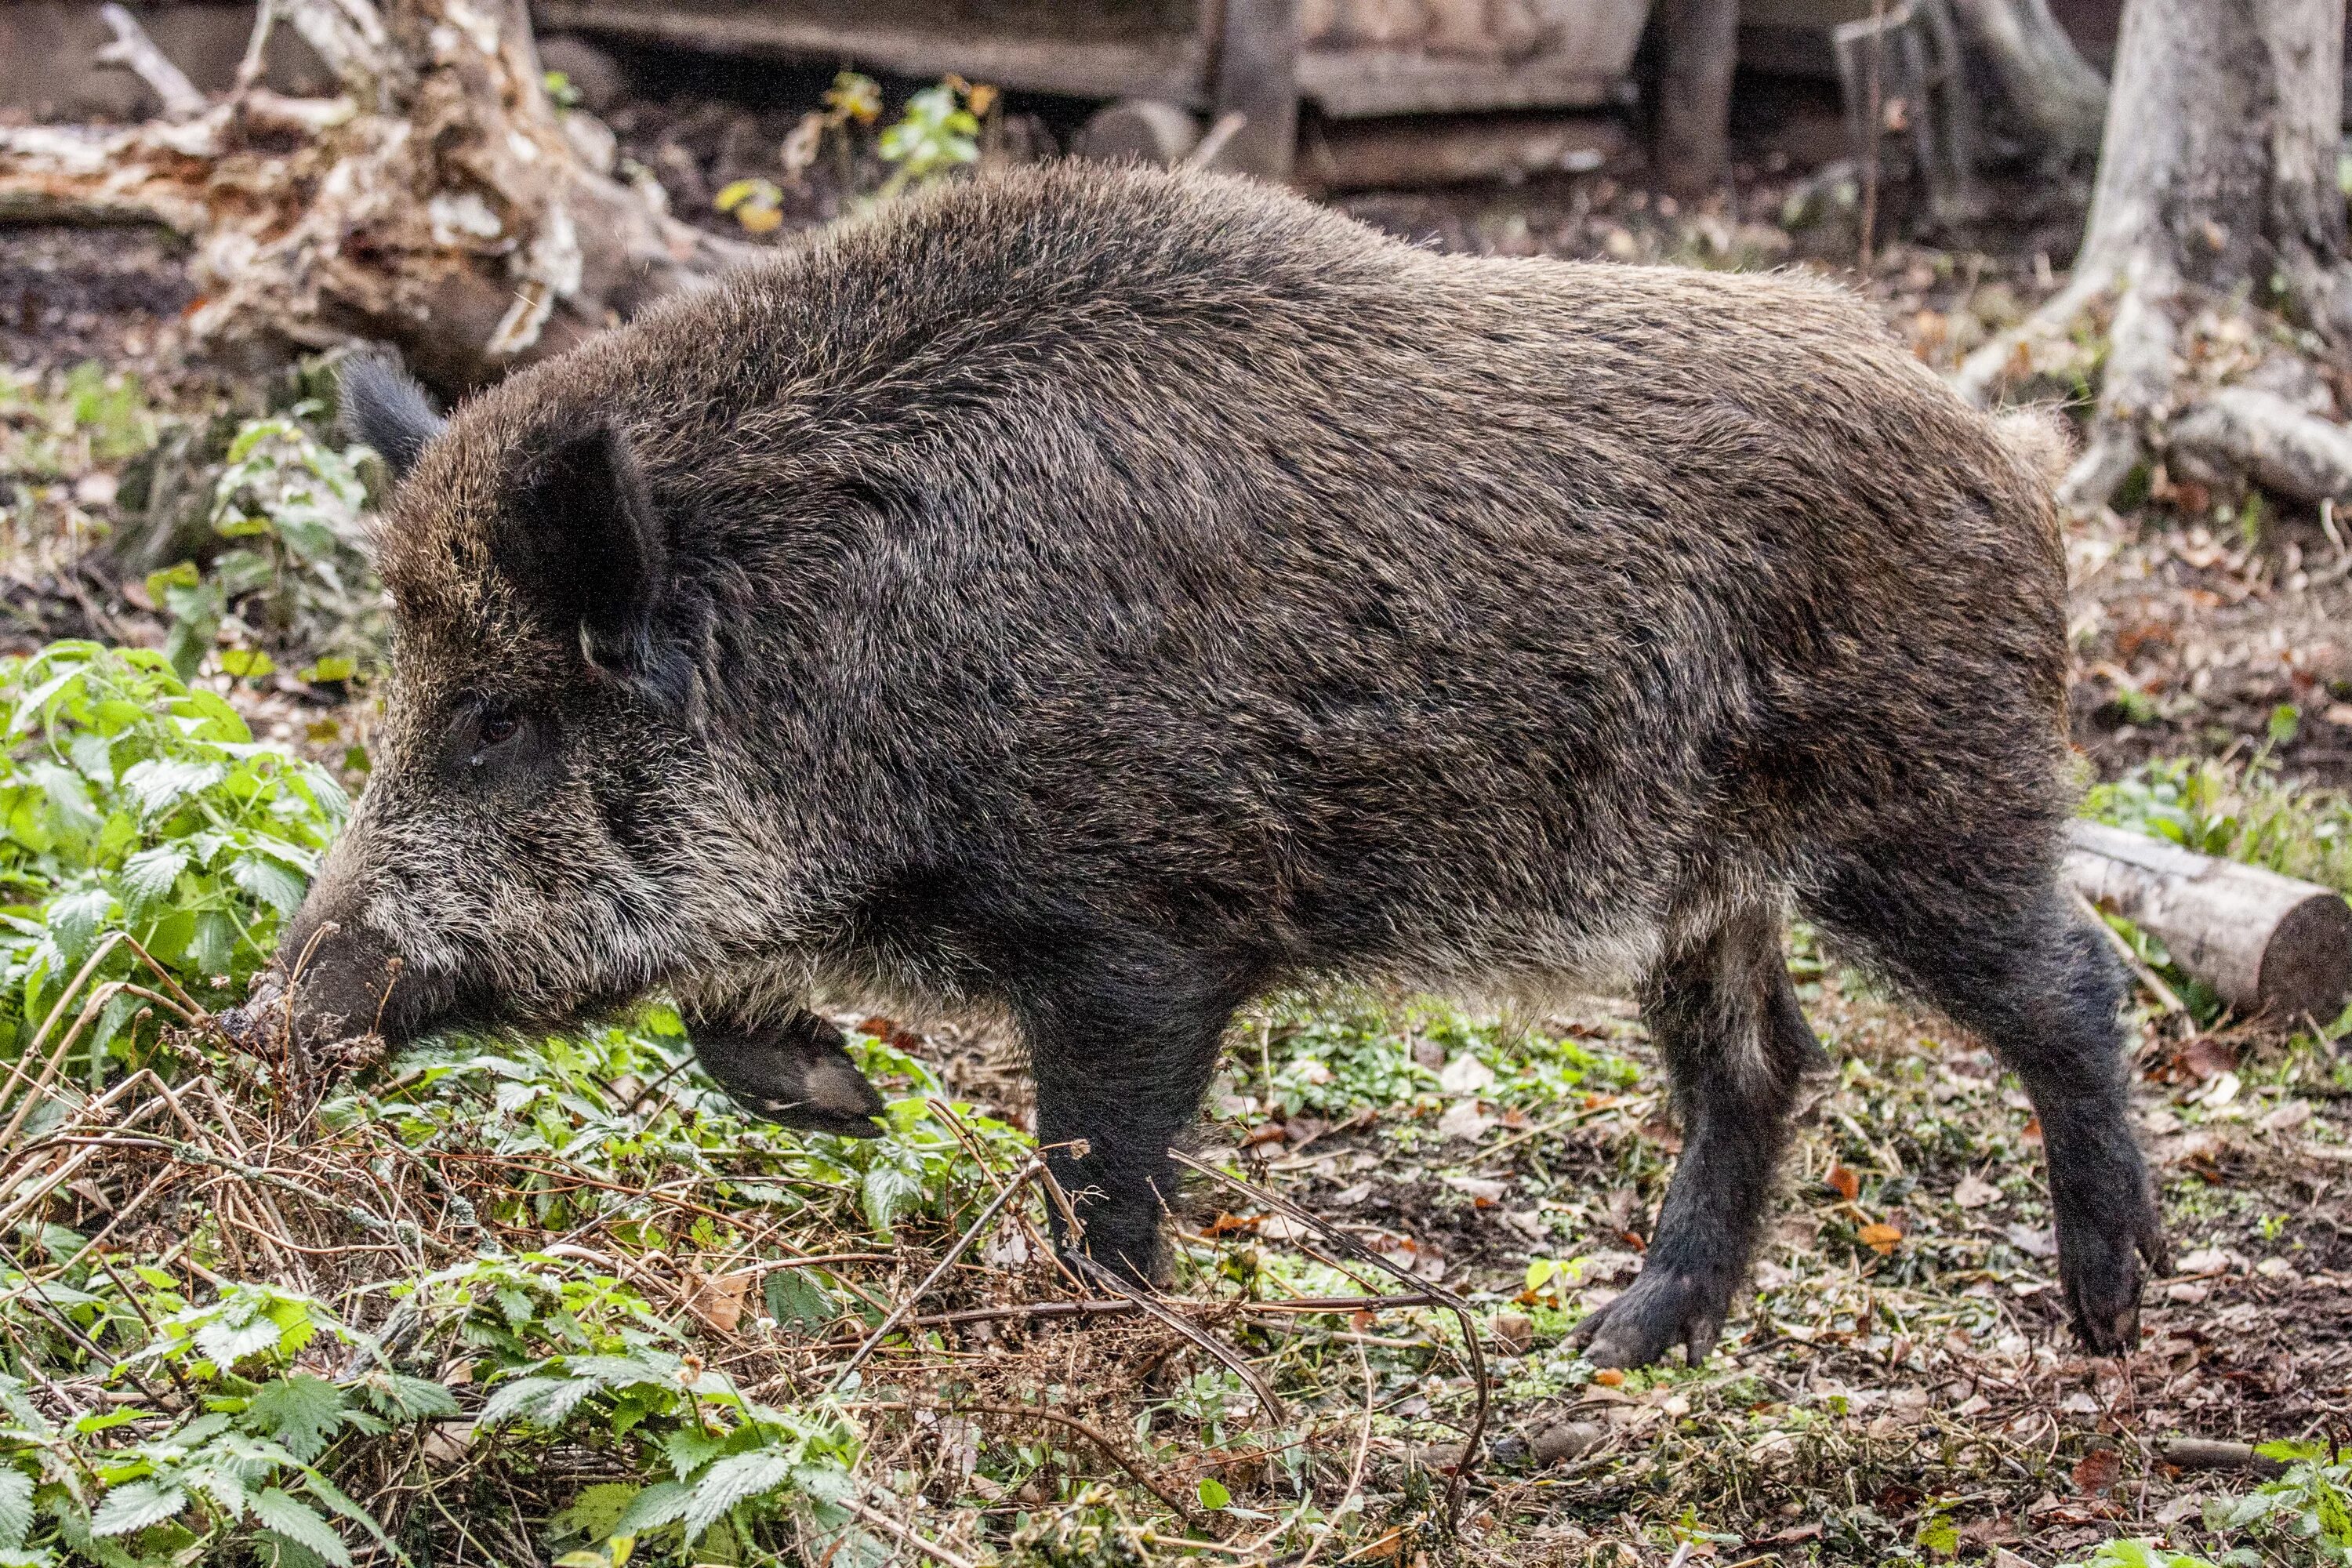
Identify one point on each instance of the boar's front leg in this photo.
(794, 1070)
(1725, 1018)
(1121, 1057)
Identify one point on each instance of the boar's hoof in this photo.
(2100, 1267)
(797, 1073)
(1665, 1307)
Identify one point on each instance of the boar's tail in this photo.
(2039, 439)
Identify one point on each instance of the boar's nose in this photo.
(337, 986)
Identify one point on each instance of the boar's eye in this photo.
(482, 733)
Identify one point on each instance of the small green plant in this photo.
(2303, 1516)
(295, 577)
(2140, 1551)
(134, 805)
(938, 132)
(2241, 811)
(758, 204)
(248, 1460)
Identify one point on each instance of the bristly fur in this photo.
(1104, 596)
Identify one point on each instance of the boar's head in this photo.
(540, 821)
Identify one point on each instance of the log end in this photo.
(2306, 967)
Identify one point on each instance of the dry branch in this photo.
(135, 52)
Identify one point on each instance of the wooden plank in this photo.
(1257, 78)
(1169, 66)
(1439, 150)
(1368, 83)
(1697, 46)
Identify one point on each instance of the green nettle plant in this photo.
(938, 132)
(138, 810)
(296, 575)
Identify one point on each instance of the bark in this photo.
(2044, 77)
(1698, 45)
(438, 204)
(2265, 943)
(2217, 175)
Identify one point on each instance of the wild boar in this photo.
(1105, 597)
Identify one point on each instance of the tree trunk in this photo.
(2218, 174)
(2221, 140)
(1699, 45)
(2052, 86)
(441, 204)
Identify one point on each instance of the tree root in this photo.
(2235, 429)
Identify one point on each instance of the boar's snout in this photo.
(337, 987)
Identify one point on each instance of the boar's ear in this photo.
(382, 407)
(589, 552)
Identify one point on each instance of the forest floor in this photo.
(1899, 1386)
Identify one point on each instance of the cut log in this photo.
(2267, 944)
(1139, 130)
(2209, 1454)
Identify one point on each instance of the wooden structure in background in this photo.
(1202, 60)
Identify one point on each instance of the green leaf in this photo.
(1212, 1493)
(656, 1506)
(150, 877)
(597, 1511)
(795, 1296)
(16, 1508)
(299, 1411)
(414, 1398)
(2288, 1452)
(730, 1482)
(75, 919)
(268, 882)
(300, 1523)
(136, 1505)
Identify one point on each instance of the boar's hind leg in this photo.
(1725, 1019)
(2031, 976)
(1121, 1057)
(794, 1070)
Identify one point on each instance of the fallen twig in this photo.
(884, 1522)
(1175, 1501)
(2210, 1454)
(897, 1314)
(1452, 1302)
